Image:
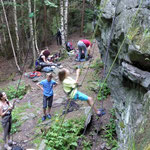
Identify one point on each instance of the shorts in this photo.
(80, 96)
(47, 100)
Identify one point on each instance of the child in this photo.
(47, 87)
(70, 88)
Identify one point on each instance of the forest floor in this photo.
(29, 108)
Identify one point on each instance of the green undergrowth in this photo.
(64, 136)
(97, 65)
(12, 92)
(104, 92)
(16, 117)
(110, 132)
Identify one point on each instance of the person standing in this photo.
(83, 45)
(58, 37)
(5, 113)
(47, 87)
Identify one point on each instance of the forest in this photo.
(74, 75)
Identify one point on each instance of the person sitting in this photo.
(83, 45)
(43, 63)
(70, 88)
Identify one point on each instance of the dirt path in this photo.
(31, 104)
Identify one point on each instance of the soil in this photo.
(29, 130)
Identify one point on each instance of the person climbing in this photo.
(58, 37)
(83, 45)
(70, 88)
(47, 87)
(5, 112)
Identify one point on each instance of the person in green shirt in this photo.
(70, 88)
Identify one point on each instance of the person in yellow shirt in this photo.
(70, 88)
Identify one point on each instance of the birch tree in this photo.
(31, 31)
(16, 30)
(12, 45)
(35, 31)
(62, 22)
(66, 20)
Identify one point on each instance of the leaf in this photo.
(31, 15)
(74, 144)
(47, 3)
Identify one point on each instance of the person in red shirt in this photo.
(84, 45)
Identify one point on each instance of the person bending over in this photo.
(84, 45)
(70, 88)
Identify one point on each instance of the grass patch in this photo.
(16, 118)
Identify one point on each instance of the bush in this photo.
(64, 136)
(12, 92)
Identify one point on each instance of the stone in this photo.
(42, 145)
(59, 101)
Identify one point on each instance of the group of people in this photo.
(70, 87)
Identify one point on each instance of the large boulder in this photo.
(129, 79)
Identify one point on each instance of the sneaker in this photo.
(49, 116)
(43, 118)
(7, 147)
(78, 60)
(10, 143)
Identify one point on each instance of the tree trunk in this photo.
(35, 31)
(3, 37)
(66, 20)
(10, 36)
(45, 25)
(62, 23)
(16, 30)
(82, 21)
(31, 33)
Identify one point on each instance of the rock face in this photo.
(129, 79)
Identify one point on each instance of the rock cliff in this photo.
(130, 77)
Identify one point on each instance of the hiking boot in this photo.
(43, 118)
(49, 116)
(7, 147)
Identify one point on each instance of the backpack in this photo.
(69, 46)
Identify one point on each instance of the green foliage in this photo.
(104, 92)
(97, 65)
(64, 136)
(54, 26)
(16, 118)
(88, 28)
(12, 92)
(48, 3)
(110, 131)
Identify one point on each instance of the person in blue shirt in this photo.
(47, 87)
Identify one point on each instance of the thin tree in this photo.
(82, 21)
(3, 36)
(62, 23)
(45, 25)
(10, 36)
(31, 31)
(16, 30)
(35, 31)
(66, 20)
